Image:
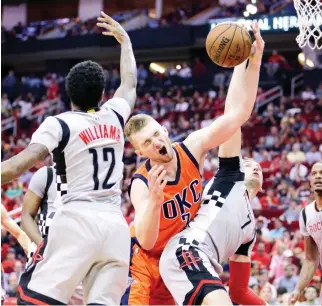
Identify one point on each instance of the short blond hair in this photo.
(136, 124)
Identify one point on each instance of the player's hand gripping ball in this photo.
(228, 44)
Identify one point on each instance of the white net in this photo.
(309, 14)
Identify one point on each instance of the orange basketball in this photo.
(228, 44)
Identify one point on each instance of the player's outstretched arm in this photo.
(31, 204)
(12, 227)
(232, 147)
(127, 89)
(311, 263)
(20, 163)
(242, 104)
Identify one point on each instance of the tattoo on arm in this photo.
(18, 164)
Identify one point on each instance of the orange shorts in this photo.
(146, 286)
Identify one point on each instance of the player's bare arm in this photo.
(225, 126)
(311, 263)
(31, 204)
(232, 146)
(127, 89)
(147, 202)
(20, 163)
(12, 227)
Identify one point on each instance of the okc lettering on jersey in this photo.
(316, 227)
(179, 203)
(100, 131)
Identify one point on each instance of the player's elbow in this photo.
(241, 116)
(146, 242)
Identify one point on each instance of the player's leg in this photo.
(106, 281)
(61, 261)
(190, 276)
(139, 279)
(240, 266)
(160, 295)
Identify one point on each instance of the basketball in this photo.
(228, 44)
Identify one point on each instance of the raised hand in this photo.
(157, 180)
(258, 45)
(113, 28)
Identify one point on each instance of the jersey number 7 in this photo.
(106, 153)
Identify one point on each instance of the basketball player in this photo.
(89, 239)
(223, 228)
(311, 229)
(11, 226)
(41, 202)
(166, 190)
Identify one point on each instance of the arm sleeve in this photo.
(303, 229)
(231, 169)
(48, 134)
(38, 182)
(120, 106)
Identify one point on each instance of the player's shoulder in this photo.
(308, 212)
(143, 169)
(41, 173)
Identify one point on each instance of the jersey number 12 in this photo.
(106, 153)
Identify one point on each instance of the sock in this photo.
(238, 284)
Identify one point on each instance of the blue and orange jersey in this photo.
(181, 197)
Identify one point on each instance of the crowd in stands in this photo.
(284, 137)
(74, 26)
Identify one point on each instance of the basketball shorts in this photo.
(87, 242)
(190, 263)
(187, 272)
(145, 285)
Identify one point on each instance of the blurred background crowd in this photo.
(284, 134)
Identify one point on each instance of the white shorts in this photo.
(87, 242)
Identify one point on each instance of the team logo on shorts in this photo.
(188, 256)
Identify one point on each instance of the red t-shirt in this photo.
(264, 259)
(8, 265)
(53, 92)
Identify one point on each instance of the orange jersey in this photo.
(181, 197)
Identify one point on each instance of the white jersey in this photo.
(87, 150)
(43, 184)
(311, 225)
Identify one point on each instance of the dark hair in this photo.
(85, 84)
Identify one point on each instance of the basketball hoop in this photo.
(309, 14)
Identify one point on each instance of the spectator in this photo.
(319, 91)
(9, 83)
(311, 296)
(11, 289)
(276, 269)
(292, 213)
(185, 71)
(288, 281)
(313, 155)
(299, 172)
(142, 75)
(261, 256)
(277, 232)
(270, 200)
(296, 155)
(261, 224)
(53, 90)
(9, 263)
(308, 94)
(267, 295)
